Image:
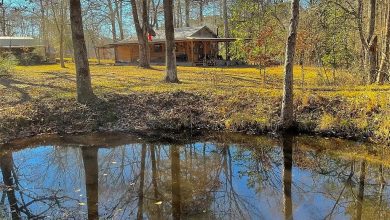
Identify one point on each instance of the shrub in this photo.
(27, 59)
(7, 64)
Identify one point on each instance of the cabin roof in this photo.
(184, 33)
(19, 42)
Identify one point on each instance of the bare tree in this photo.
(187, 12)
(370, 43)
(170, 58)
(384, 66)
(59, 20)
(119, 17)
(287, 104)
(84, 88)
(112, 18)
(3, 19)
(225, 25)
(155, 10)
(201, 4)
(142, 32)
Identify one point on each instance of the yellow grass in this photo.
(364, 108)
(36, 80)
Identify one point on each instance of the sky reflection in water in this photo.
(262, 178)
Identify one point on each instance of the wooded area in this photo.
(352, 34)
(347, 43)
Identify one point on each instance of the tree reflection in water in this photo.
(90, 160)
(287, 145)
(141, 184)
(7, 166)
(248, 178)
(175, 175)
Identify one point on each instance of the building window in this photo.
(158, 48)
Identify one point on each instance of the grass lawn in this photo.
(237, 98)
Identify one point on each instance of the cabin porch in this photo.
(193, 52)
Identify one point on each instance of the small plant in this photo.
(7, 63)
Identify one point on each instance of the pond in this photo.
(220, 176)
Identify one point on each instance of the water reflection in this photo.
(360, 197)
(90, 160)
(175, 174)
(287, 143)
(7, 165)
(141, 185)
(248, 178)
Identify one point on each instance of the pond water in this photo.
(218, 177)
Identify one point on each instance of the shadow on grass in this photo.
(61, 76)
(15, 85)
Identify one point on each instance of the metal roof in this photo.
(19, 42)
(184, 33)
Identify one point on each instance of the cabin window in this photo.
(158, 48)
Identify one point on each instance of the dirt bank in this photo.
(193, 112)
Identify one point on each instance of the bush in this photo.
(27, 59)
(7, 64)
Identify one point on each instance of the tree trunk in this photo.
(187, 12)
(84, 88)
(59, 21)
(43, 28)
(141, 33)
(3, 20)
(62, 35)
(372, 60)
(145, 30)
(201, 11)
(170, 57)
(119, 17)
(372, 21)
(62, 62)
(287, 104)
(370, 43)
(112, 20)
(178, 13)
(384, 66)
(226, 26)
(154, 20)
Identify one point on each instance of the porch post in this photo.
(98, 55)
(115, 54)
(149, 54)
(130, 54)
(205, 51)
(192, 52)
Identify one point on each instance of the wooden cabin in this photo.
(18, 44)
(27, 50)
(194, 46)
